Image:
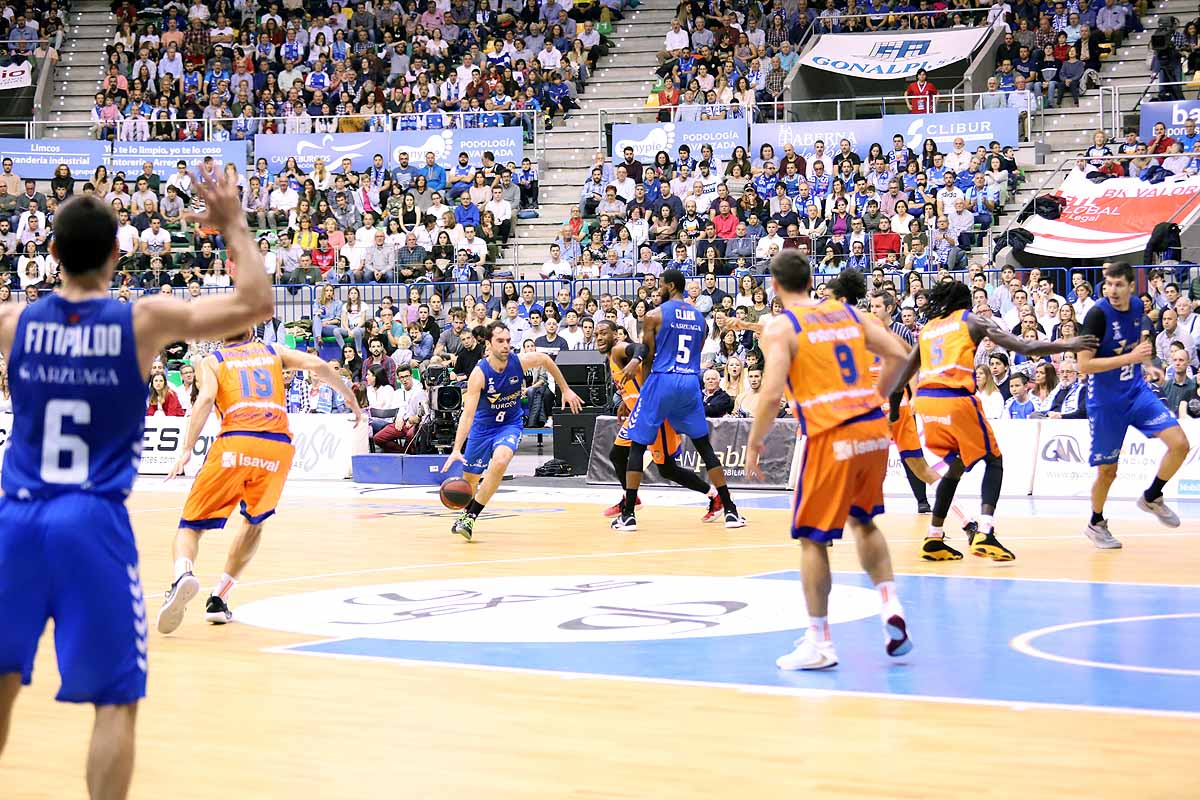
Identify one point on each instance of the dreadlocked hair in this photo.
(849, 286)
(947, 297)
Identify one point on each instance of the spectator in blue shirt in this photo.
(1020, 405)
(435, 174)
(466, 213)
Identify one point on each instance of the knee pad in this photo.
(637, 453)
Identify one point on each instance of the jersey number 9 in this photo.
(845, 359)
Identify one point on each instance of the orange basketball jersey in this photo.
(830, 378)
(250, 390)
(948, 353)
(630, 388)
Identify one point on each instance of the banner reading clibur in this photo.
(884, 56)
(38, 158)
(647, 139)
(129, 156)
(1114, 217)
(728, 436)
(974, 127)
(506, 144)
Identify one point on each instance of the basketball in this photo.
(455, 493)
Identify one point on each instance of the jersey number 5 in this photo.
(56, 444)
(684, 354)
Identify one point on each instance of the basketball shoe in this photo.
(464, 526)
(175, 601)
(809, 654)
(217, 612)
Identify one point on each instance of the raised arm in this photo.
(159, 319)
(294, 359)
(532, 360)
(985, 327)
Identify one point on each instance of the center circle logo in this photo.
(555, 609)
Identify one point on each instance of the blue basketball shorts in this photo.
(482, 443)
(73, 559)
(668, 397)
(1108, 421)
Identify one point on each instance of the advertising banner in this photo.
(1171, 114)
(306, 148)
(1062, 462)
(1117, 216)
(38, 158)
(1018, 440)
(16, 76)
(728, 436)
(505, 144)
(647, 139)
(129, 156)
(324, 444)
(885, 56)
(975, 127)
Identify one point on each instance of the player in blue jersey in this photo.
(77, 364)
(1118, 398)
(492, 421)
(672, 335)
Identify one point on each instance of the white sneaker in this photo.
(1101, 536)
(1159, 509)
(733, 519)
(170, 616)
(809, 654)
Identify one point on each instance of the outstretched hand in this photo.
(222, 205)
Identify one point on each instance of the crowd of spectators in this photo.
(227, 70)
(32, 31)
(1151, 161)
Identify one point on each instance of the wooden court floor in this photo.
(229, 717)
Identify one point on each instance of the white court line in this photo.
(787, 691)
(714, 548)
(1022, 643)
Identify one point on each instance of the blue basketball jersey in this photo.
(500, 402)
(79, 400)
(680, 337)
(1122, 333)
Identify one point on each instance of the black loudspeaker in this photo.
(587, 374)
(573, 437)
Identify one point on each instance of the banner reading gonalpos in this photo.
(648, 139)
(38, 158)
(883, 56)
(506, 144)
(975, 127)
(1113, 217)
(129, 156)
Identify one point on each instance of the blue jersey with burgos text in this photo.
(79, 400)
(500, 401)
(1122, 333)
(680, 337)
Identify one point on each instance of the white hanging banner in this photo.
(884, 56)
(16, 76)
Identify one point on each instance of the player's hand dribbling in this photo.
(450, 459)
(177, 467)
(572, 401)
(753, 470)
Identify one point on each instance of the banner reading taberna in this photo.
(129, 156)
(647, 139)
(885, 56)
(974, 127)
(38, 158)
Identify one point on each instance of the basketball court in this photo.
(378, 655)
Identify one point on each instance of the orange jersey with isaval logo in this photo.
(947, 354)
(829, 381)
(250, 390)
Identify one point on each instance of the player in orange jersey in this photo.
(246, 465)
(955, 428)
(820, 352)
(669, 444)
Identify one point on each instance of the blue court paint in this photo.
(961, 627)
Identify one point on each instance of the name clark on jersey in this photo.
(53, 339)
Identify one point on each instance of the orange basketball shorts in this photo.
(955, 425)
(668, 442)
(246, 469)
(904, 433)
(841, 476)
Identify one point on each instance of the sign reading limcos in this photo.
(555, 609)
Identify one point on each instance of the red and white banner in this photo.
(1113, 217)
(16, 76)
